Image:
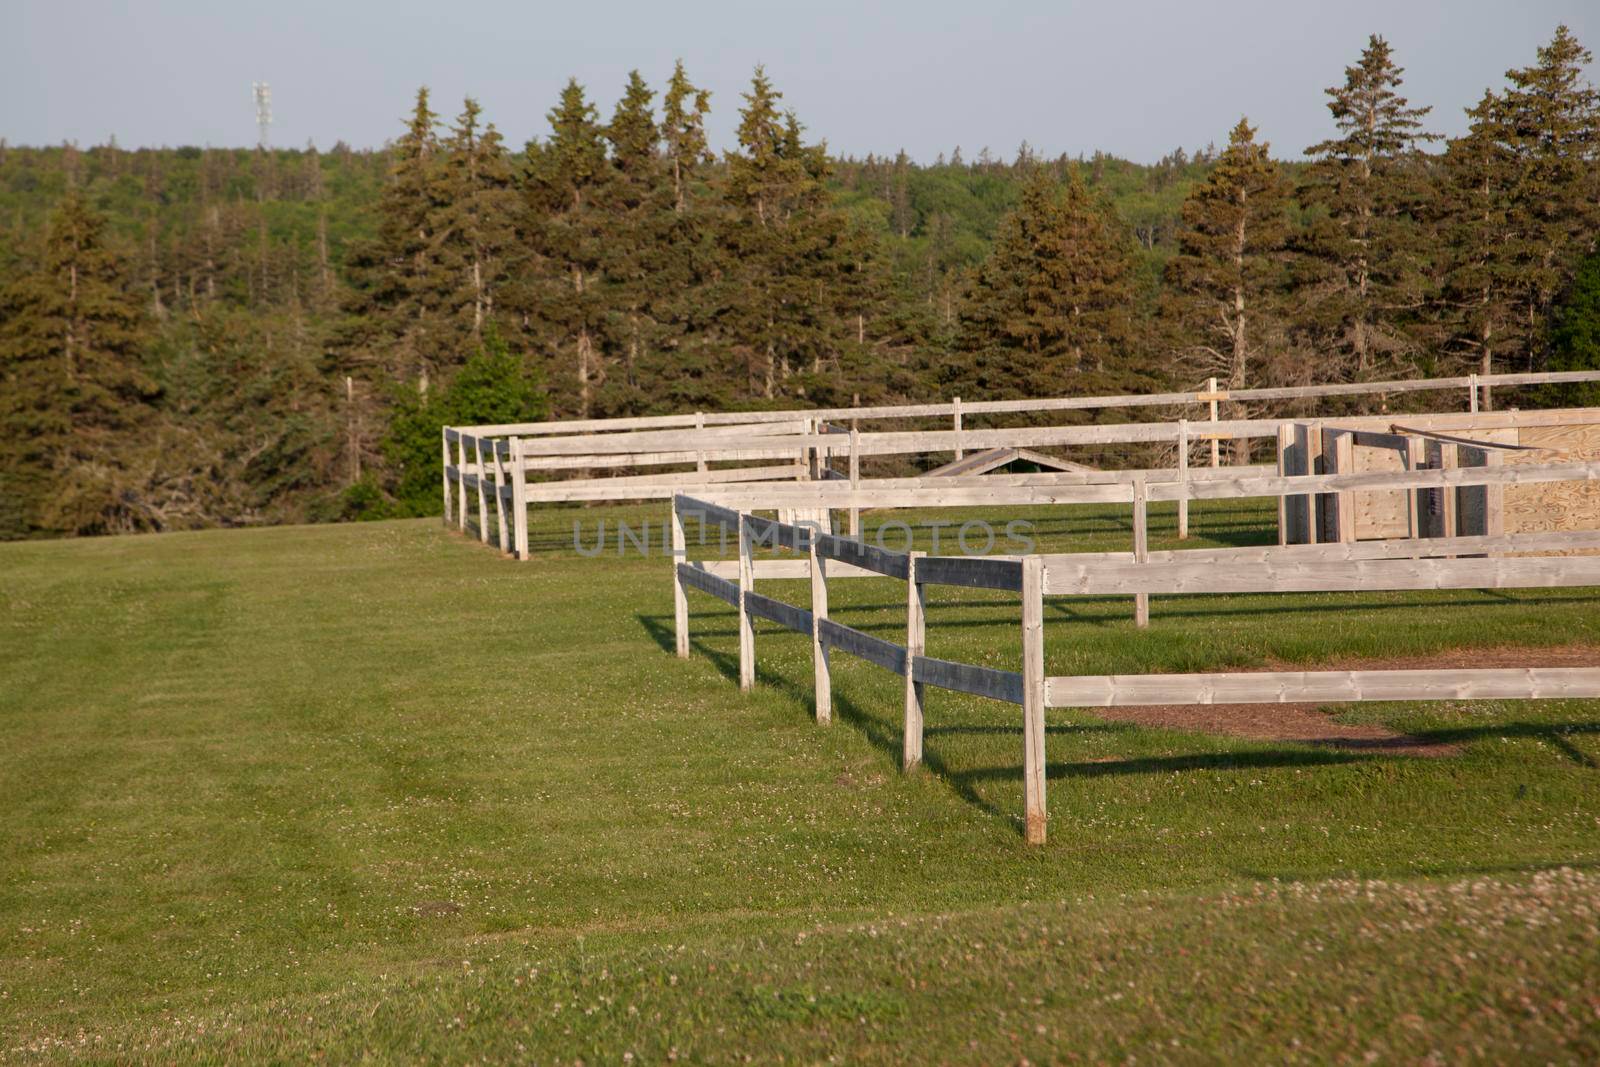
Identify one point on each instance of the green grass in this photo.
(371, 791)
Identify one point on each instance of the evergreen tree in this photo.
(76, 403)
(683, 127)
(792, 268)
(1226, 281)
(399, 289)
(1521, 205)
(640, 211)
(566, 227)
(474, 227)
(1049, 313)
(1363, 269)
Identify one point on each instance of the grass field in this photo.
(373, 792)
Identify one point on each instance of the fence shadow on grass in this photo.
(883, 735)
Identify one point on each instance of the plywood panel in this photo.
(1380, 514)
(1561, 505)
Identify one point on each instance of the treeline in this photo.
(199, 336)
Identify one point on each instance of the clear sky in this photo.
(1135, 79)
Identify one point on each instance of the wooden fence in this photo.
(498, 469)
(1396, 564)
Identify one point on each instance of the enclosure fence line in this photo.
(1392, 564)
(497, 470)
(1210, 395)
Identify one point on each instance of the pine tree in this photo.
(640, 210)
(1521, 205)
(1363, 274)
(474, 227)
(398, 289)
(683, 128)
(75, 399)
(790, 297)
(1050, 309)
(1225, 283)
(566, 226)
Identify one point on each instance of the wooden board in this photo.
(1118, 690)
(1562, 506)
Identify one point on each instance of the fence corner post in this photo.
(680, 599)
(1033, 698)
(1183, 479)
(483, 496)
(519, 500)
(1141, 546)
(855, 481)
(956, 426)
(747, 627)
(444, 471)
(819, 647)
(916, 646)
(461, 481)
(502, 535)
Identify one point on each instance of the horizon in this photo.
(845, 102)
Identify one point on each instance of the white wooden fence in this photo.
(497, 469)
(1399, 564)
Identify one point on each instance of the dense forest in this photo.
(203, 336)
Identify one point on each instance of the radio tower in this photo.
(263, 93)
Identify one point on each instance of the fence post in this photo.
(819, 649)
(855, 480)
(519, 500)
(1416, 459)
(444, 471)
(1472, 392)
(699, 425)
(1141, 548)
(1339, 457)
(499, 497)
(747, 626)
(483, 497)
(1285, 443)
(1183, 479)
(461, 481)
(1447, 461)
(916, 645)
(1033, 731)
(956, 425)
(680, 598)
(1216, 446)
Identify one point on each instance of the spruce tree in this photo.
(1050, 310)
(398, 287)
(566, 227)
(1521, 206)
(1225, 284)
(683, 128)
(1363, 275)
(639, 210)
(474, 223)
(792, 297)
(76, 401)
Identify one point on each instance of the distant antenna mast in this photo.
(263, 93)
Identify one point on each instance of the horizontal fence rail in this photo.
(1210, 394)
(793, 465)
(1394, 564)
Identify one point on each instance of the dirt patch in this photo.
(1313, 724)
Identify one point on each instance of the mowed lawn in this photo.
(372, 791)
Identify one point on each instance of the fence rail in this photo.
(1378, 565)
(496, 470)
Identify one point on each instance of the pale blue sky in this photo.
(1134, 79)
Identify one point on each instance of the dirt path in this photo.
(1314, 723)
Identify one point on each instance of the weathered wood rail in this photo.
(793, 462)
(1396, 564)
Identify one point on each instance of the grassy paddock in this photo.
(346, 790)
